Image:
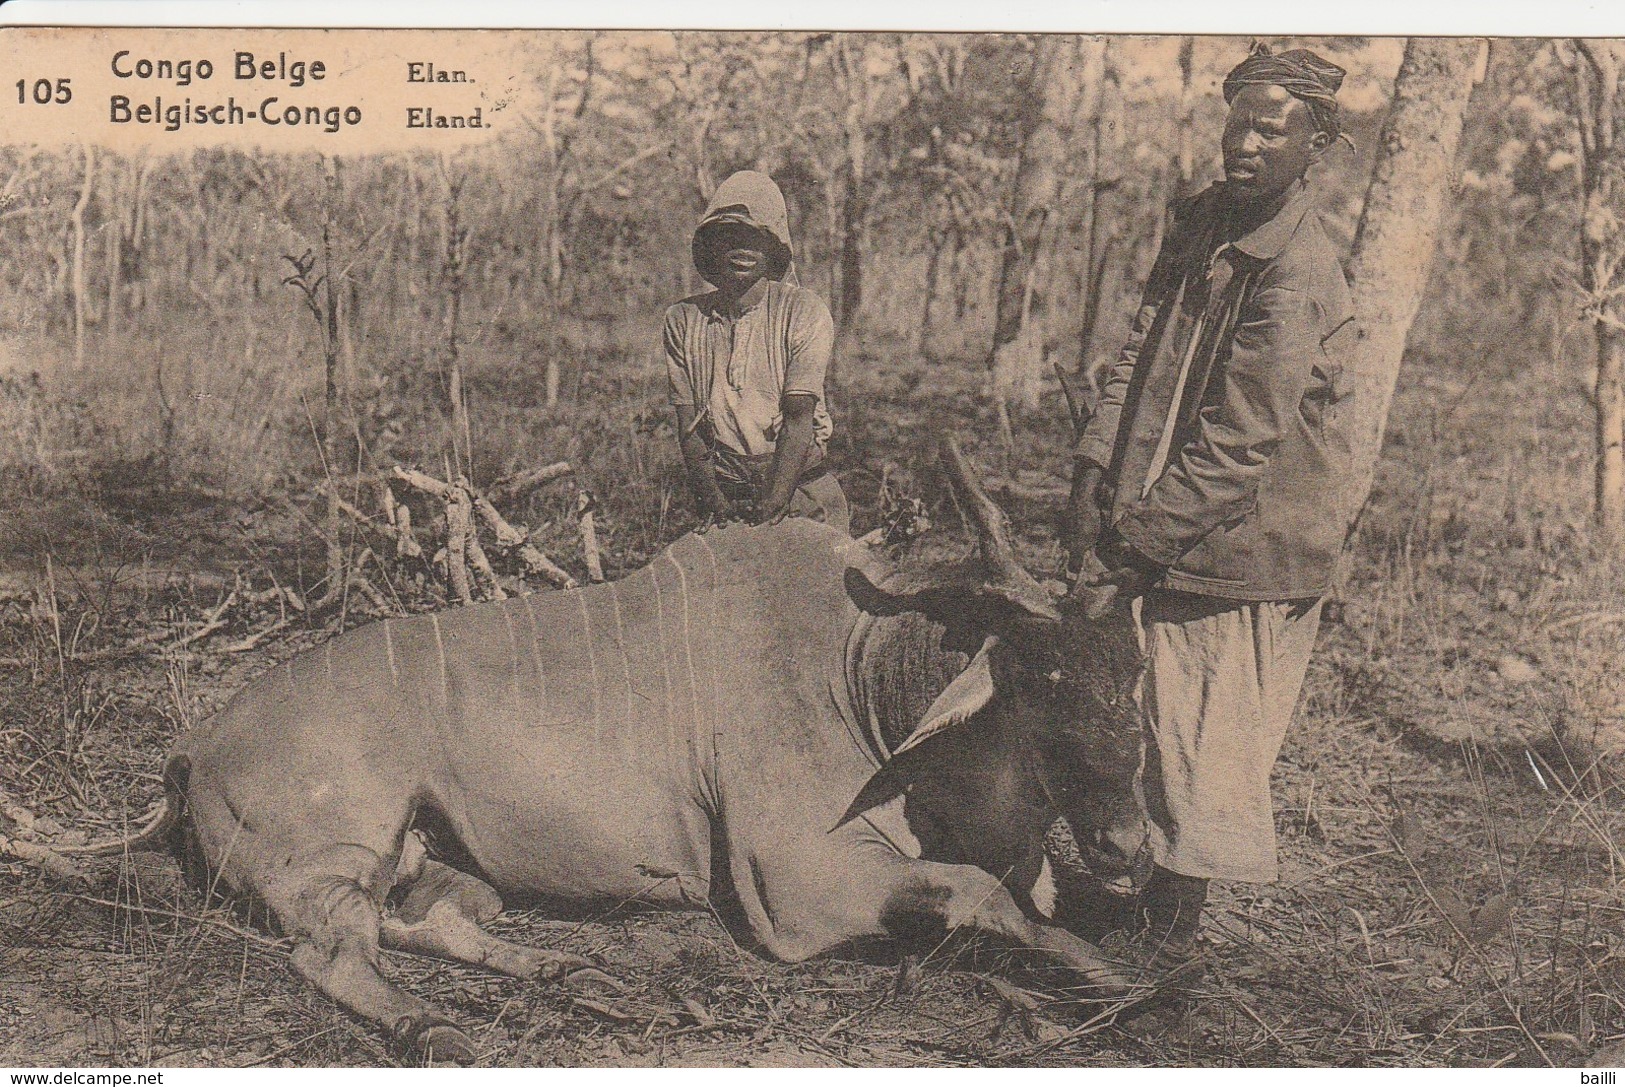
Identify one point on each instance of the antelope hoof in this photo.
(438, 1043)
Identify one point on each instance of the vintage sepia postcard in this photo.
(849, 548)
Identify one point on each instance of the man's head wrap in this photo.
(1310, 78)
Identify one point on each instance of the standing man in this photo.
(1209, 481)
(746, 363)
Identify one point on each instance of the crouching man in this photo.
(1209, 483)
(746, 363)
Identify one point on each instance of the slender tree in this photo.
(1600, 114)
(1394, 243)
(1015, 364)
(557, 184)
(1184, 163)
(1101, 229)
(452, 276)
(330, 360)
(849, 58)
(78, 225)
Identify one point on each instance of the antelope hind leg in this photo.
(441, 916)
(332, 904)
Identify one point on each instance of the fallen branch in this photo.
(608, 1011)
(42, 857)
(459, 531)
(511, 539)
(585, 504)
(406, 545)
(462, 548)
(280, 594)
(600, 1008)
(358, 582)
(422, 481)
(158, 637)
(177, 915)
(481, 566)
(347, 507)
(211, 622)
(312, 609)
(1471, 945)
(521, 484)
(399, 516)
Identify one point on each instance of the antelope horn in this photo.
(1077, 403)
(991, 526)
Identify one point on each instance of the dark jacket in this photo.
(1245, 501)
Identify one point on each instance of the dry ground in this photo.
(1453, 843)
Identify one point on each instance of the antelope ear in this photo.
(970, 692)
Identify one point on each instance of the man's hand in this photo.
(723, 513)
(790, 452)
(1081, 522)
(702, 477)
(1127, 582)
(1125, 572)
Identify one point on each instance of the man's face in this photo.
(740, 257)
(1270, 140)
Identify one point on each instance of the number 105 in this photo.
(43, 92)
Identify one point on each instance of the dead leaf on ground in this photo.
(1490, 920)
(1458, 917)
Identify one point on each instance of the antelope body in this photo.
(726, 725)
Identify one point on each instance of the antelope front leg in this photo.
(959, 896)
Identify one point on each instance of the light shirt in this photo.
(734, 368)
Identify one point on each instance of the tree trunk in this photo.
(1016, 363)
(336, 577)
(451, 275)
(133, 272)
(854, 240)
(1602, 144)
(552, 248)
(850, 61)
(1064, 282)
(832, 234)
(78, 225)
(353, 323)
(935, 240)
(962, 267)
(114, 230)
(1185, 152)
(1106, 157)
(1609, 501)
(1394, 243)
